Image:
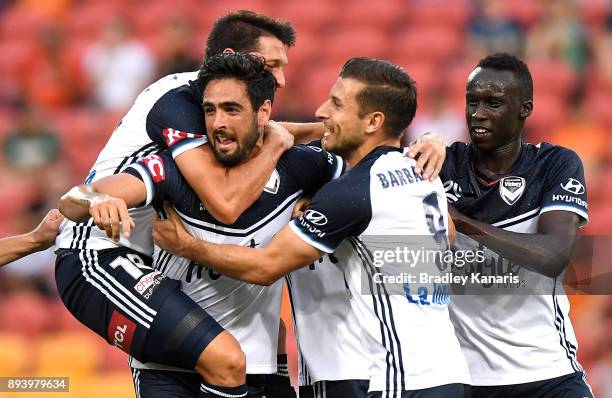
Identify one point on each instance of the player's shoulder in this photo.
(546, 152)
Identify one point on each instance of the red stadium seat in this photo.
(315, 85)
(548, 113)
(25, 314)
(526, 12)
(451, 14)
(435, 45)
(600, 104)
(379, 15)
(552, 78)
(85, 21)
(314, 16)
(15, 53)
(346, 44)
(18, 23)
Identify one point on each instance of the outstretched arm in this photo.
(228, 191)
(305, 132)
(548, 252)
(106, 201)
(41, 238)
(263, 266)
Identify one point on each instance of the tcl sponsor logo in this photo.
(173, 136)
(156, 167)
(147, 284)
(120, 332)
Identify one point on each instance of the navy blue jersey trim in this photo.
(559, 323)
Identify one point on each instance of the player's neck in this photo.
(368, 146)
(498, 161)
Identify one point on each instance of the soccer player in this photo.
(411, 343)
(41, 238)
(518, 342)
(237, 96)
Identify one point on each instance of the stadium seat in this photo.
(25, 314)
(85, 21)
(383, 16)
(435, 45)
(548, 113)
(451, 14)
(526, 12)
(600, 103)
(15, 354)
(18, 23)
(346, 44)
(552, 77)
(112, 384)
(68, 353)
(318, 16)
(15, 54)
(315, 85)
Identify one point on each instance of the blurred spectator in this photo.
(32, 144)
(493, 31)
(559, 35)
(48, 80)
(118, 66)
(435, 115)
(175, 48)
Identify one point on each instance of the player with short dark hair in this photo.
(522, 204)
(410, 342)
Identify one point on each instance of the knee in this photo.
(223, 363)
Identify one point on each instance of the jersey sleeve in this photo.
(340, 209)
(565, 187)
(176, 122)
(160, 175)
(312, 166)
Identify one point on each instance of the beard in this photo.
(245, 147)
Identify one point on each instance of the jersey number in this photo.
(133, 265)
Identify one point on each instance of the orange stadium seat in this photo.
(68, 353)
(114, 384)
(15, 354)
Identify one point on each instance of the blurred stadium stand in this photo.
(42, 49)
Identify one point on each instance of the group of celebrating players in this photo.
(199, 207)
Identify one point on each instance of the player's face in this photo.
(493, 108)
(344, 129)
(231, 123)
(274, 52)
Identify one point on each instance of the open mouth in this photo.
(223, 142)
(480, 132)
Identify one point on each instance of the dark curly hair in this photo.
(511, 63)
(260, 83)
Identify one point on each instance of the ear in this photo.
(526, 109)
(263, 114)
(375, 122)
(229, 51)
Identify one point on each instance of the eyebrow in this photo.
(336, 99)
(225, 104)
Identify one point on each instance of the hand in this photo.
(111, 215)
(454, 217)
(170, 234)
(429, 151)
(44, 235)
(301, 205)
(274, 131)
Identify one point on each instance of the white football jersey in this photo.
(327, 331)
(163, 114)
(251, 313)
(408, 335)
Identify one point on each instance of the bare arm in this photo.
(547, 253)
(304, 132)
(285, 253)
(41, 238)
(228, 192)
(106, 201)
